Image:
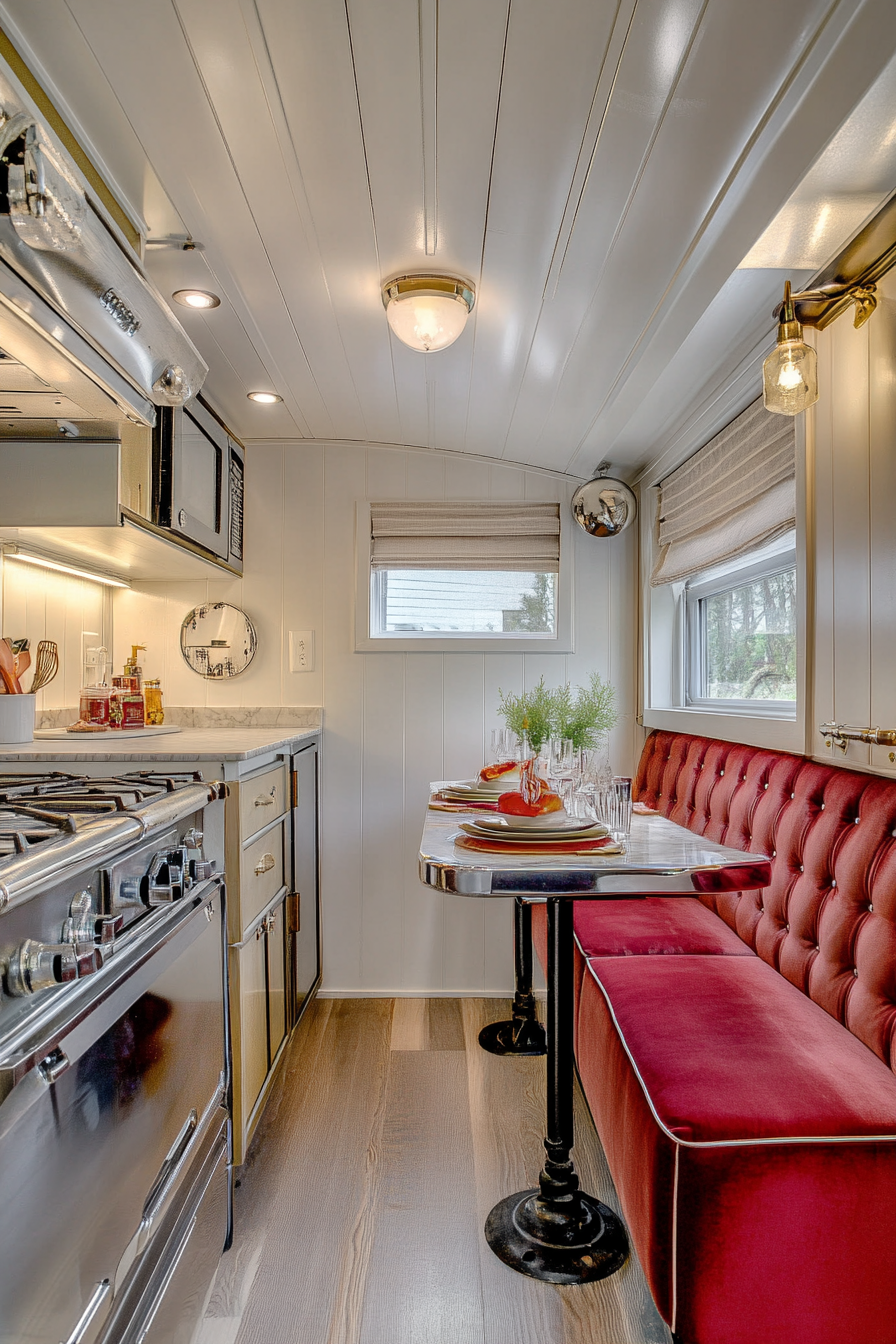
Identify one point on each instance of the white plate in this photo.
(548, 821)
(577, 831)
(508, 783)
(564, 838)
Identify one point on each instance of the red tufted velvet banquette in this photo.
(737, 1053)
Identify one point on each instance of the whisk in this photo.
(46, 664)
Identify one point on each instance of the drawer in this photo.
(262, 798)
(261, 874)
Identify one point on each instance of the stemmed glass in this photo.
(504, 745)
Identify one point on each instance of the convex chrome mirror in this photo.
(604, 507)
(218, 640)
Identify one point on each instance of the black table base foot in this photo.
(586, 1242)
(514, 1038)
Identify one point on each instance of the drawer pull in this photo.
(266, 800)
(264, 865)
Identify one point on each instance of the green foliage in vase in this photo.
(529, 713)
(586, 715)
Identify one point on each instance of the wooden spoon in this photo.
(8, 667)
(23, 662)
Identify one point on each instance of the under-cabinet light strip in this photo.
(65, 569)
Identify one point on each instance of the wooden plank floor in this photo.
(360, 1209)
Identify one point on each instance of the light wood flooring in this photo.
(360, 1209)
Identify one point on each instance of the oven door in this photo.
(191, 465)
(105, 1121)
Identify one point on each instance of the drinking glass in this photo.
(503, 745)
(619, 819)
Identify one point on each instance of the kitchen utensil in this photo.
(47, 664)
(8, 668)
(23, 662)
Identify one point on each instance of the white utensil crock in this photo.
(16, 718)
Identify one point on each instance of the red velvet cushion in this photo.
(655, 925)
(728, 1050)
(745, 1232)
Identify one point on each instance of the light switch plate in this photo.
(301, 650)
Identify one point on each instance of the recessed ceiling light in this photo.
(265, 398)
(196, 298)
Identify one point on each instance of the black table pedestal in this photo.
(556, 1232)
(523, 1034)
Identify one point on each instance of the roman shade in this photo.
(467, 535)
(734, 495)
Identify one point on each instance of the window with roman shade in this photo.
(735, 495)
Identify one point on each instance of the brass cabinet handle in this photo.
(264, 865)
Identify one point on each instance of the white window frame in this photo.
(662, 703)
(440, 641)
(773, 560)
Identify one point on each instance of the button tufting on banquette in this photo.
(737, 1052)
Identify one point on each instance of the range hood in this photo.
(83, 332)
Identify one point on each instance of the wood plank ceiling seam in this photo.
(246, 195)
(613, 58)
(123, 76)
(637, 337)
(428, 27)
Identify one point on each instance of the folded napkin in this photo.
(605, 844)
(438, 803)
(642, 810)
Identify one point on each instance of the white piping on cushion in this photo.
(675, 1241)
(728, 1143)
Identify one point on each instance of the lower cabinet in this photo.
(258, 995)
(271, 859)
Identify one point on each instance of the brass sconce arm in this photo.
(834, 295)
(840, 735)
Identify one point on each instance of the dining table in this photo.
(557, 1232)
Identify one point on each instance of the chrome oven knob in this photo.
(164, 882)
(35, 966)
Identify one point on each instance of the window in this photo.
(741, 634)
(462, 602)
(471, 575)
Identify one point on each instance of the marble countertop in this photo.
(191, 744)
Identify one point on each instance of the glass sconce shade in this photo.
(427, 312)
(790, 373)
(790, 378)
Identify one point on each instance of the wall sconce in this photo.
(428, 312)
(790, 372)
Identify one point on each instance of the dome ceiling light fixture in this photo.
(428, 312)
(603, 506)
(196, 298)
(264, 398)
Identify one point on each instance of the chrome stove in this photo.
(114, 1074)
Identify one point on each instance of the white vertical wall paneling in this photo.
(262, 682)
(882, 431)
(303, 598)
(852, 578)
(342, 818)
(39, 605)
(821, 640)
(423, 910)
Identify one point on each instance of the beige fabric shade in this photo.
(468, 535)
(734, 495)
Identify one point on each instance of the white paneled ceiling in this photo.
(598, 168)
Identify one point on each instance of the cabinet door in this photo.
(305, 955)
(276, 954)
(253, 1051)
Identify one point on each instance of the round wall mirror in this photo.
(218, 641)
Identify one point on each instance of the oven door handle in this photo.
(98, 1297)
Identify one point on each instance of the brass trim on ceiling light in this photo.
(402, 285)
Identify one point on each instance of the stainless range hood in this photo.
(83, 331)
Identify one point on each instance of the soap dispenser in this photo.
(133, 669)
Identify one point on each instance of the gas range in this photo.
(114, 1071)
(82, 860)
